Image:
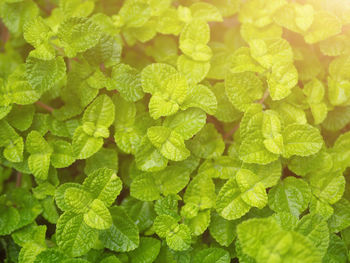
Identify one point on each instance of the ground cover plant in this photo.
(174, 131)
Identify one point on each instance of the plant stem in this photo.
(18, 179)
(44, 106)
(231, 132)
(264, 97)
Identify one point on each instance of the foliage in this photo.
(174, 131)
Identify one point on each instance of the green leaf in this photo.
(271, 51)
(314, 90)
(135, 14)
(269, 174)
(186, 123)
(147, 252)
(33, 246)
(98, 117)
(337, 251)
(37, 33)
(12, 142)
(142, 213)
(174, 178)
(222, 230)
(319, 112)
(334, 46)
(340, 219)
(281, 80)
(104, 158)
(130, 125)
(60, 195)
(167, 206)
(77, 200)
(200, 96)
(329, 186)
(227, 8)
(286, 220)
(50, 212)
(249, 12)
(242, 89)
(241, 255)
(180, 238)
(16, 13)
(320, 207)
(205, 12)
(123, 235)
(98, 216)
(27, 206)
(229, 202)
(9, 218)
(29, 252)
(241, 61)
(196, 30)
(253, 150)
(50, 256)
(111, 259)
(271, 128)
(170, 144)
(73, 236)
(196, 51)
(253, 191)
(201, 192)
(160, 107)
(250, 32)
(148, 157)
(171, 180)
(18, 89)
(164, 224)
(104, 185)
(225, 112)
(315, 228)
(78, 35)
(208, 143)
(337, 119)
(166, 101)
(42, 75)
(127, 81)
(301, 139)
(299, 18)
(222, 167)
(84, 145)
(212, 255)
(325, 25)
(271, 125)
(144, 188)
(153, 77)
(107, 51)
(62, 155)
(338, 82)
(195, 71)
(21, 117)
(265, 241)
(290, 113)
(290, 195)
(4, 110)
(199, 223)
(30, 233)
(40, 153)
(320, 162)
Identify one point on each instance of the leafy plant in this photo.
(174, 131)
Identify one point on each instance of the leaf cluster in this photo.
(171, 131)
